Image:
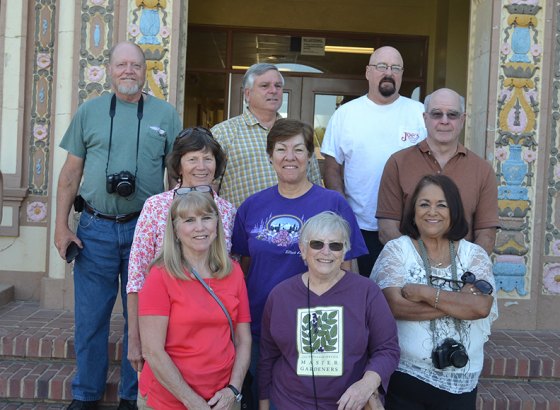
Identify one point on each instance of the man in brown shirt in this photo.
(441, 153)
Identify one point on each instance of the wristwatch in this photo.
(236, 393)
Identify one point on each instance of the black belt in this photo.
(120, 219)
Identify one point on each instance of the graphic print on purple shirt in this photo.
(281, 230)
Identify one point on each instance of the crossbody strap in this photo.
(217, 299)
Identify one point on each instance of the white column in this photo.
(68, 31)
(13, 76)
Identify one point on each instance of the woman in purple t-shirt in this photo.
(268, 223)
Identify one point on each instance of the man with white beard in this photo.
(118, 143)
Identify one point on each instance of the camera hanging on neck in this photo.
(123, 183)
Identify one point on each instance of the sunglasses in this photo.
(186, 190)
(187, 132)
(438, 115)
(481, 285)
(484, 287)
(333, 246)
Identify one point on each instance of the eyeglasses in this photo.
(438, 115)
(187, 189)
(333, 246)
(439, 282)
(481, 285)
(382, 67)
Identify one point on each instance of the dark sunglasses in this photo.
(451, 115)
(481, 285)
(187, 189)
(333, 246)
(187, 132)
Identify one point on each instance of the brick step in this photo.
(50, 346)
(20, 405)
(507, 394)
(522, 365)
(522, 354)
(47, 381)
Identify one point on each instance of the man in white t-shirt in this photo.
(361, 136)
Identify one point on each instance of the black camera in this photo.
(123, 183)
(449, 353)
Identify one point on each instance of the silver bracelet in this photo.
(437, 298)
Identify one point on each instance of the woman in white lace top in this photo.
(439, 288)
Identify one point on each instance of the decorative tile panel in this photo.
(41, 97)
(516, 145)
(150, 27)
(551, 272)
(97, 38)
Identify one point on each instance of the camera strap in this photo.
(139, 115)
(428, 269)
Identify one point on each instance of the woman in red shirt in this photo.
(192, 361)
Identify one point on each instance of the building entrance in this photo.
(318, 77)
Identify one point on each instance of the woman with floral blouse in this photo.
(195, 161)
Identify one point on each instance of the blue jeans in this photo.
(97, 270)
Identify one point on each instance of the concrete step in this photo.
(42, 381)
(6, 294)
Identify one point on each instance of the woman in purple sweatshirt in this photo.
(328, 338)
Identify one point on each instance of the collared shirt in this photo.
(474, 176)
(87, 138)
(248, 169)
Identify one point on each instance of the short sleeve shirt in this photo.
(88, 137)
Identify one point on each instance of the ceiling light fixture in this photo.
(246, 67)
(349, 50)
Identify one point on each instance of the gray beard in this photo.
(131, 90)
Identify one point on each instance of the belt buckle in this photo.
(121, 218)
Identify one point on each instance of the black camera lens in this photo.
(449, 353)
(125, 188)
(458, 358)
